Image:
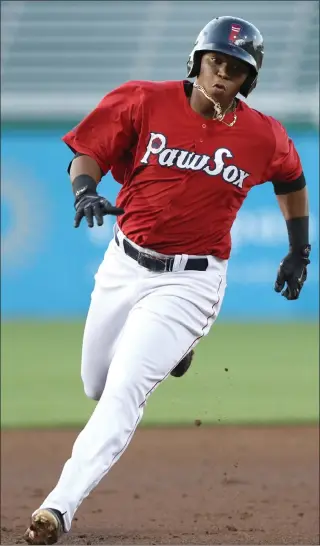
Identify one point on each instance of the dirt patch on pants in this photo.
(216, 485)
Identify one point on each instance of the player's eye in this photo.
(237, 69)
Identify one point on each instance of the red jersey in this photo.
(183, 177)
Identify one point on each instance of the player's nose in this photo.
(222, 71)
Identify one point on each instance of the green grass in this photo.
(272, 376)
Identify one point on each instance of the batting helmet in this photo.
(232, 36)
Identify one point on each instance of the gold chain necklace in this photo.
(219, 115)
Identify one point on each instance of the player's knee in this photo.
(92, 389)
(92, 392)
(93, 383)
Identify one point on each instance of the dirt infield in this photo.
(177, 486)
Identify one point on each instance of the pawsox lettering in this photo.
(167, 157)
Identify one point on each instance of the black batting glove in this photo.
(89, 204)
(93, 206)
(293, 273)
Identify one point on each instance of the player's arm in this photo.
(85, 165)
(295, 209)
(291, 192)
(85, 175)
(98, 142)
(293, 268)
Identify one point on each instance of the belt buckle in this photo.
(165, 262)
(144, 260)
(141, 259)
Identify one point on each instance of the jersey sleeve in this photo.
(109, 130)
(285, 165)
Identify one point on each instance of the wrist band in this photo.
(82, 183)
(298, 232)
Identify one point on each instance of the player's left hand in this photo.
(293, 273)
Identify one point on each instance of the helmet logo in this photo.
(235, 29)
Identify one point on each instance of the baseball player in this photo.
(186, 155)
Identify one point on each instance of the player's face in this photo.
(222, 75)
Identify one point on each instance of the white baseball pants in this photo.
(140, 325)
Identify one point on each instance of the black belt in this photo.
(159, 265)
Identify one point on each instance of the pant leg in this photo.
(173, 313)
(111, 301)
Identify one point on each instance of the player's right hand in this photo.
(92, 206)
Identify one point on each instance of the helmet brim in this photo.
(233, 50)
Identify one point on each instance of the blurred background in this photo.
(58, 59)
